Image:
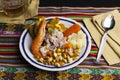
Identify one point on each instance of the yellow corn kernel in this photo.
(71, 54)
(59, 54)
(58, 26)
(41, 60)
(57, 64)
(65, 60)
(55, 54)
(50, 59)
(58, 50)
(70, 60)
(64, 55)
(41, 18)
(62, 63)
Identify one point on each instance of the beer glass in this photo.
(13, 8)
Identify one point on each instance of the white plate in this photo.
(26, 40)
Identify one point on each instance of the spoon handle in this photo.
(101, 46)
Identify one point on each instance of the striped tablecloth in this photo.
(13, 65)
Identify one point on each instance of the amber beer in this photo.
(14, 8)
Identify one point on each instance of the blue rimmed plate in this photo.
(26, 40)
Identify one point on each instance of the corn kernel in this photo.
(58, 50)
(59, 54)
(71, 54)
(41, 60)
(70, 60)
(54, 54)
(57, 64)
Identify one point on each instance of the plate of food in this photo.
(55, 43)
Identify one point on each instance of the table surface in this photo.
(13, 65)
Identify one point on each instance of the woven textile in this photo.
(13, 65)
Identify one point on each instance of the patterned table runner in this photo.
(13, 65)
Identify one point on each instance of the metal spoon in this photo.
(108, 23)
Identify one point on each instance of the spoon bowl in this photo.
(108, 24)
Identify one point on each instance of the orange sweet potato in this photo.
(67, 45)
(73, 29)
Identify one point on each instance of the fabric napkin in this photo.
(29, 13)
(111, 50)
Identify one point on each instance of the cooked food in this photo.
(33, 29)
(56, 45)
(73, 29)
(38, 40)
(77, 40)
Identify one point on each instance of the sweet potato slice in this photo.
(73, 29)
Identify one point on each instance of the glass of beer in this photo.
(13, 8)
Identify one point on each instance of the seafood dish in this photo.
(55, 44)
